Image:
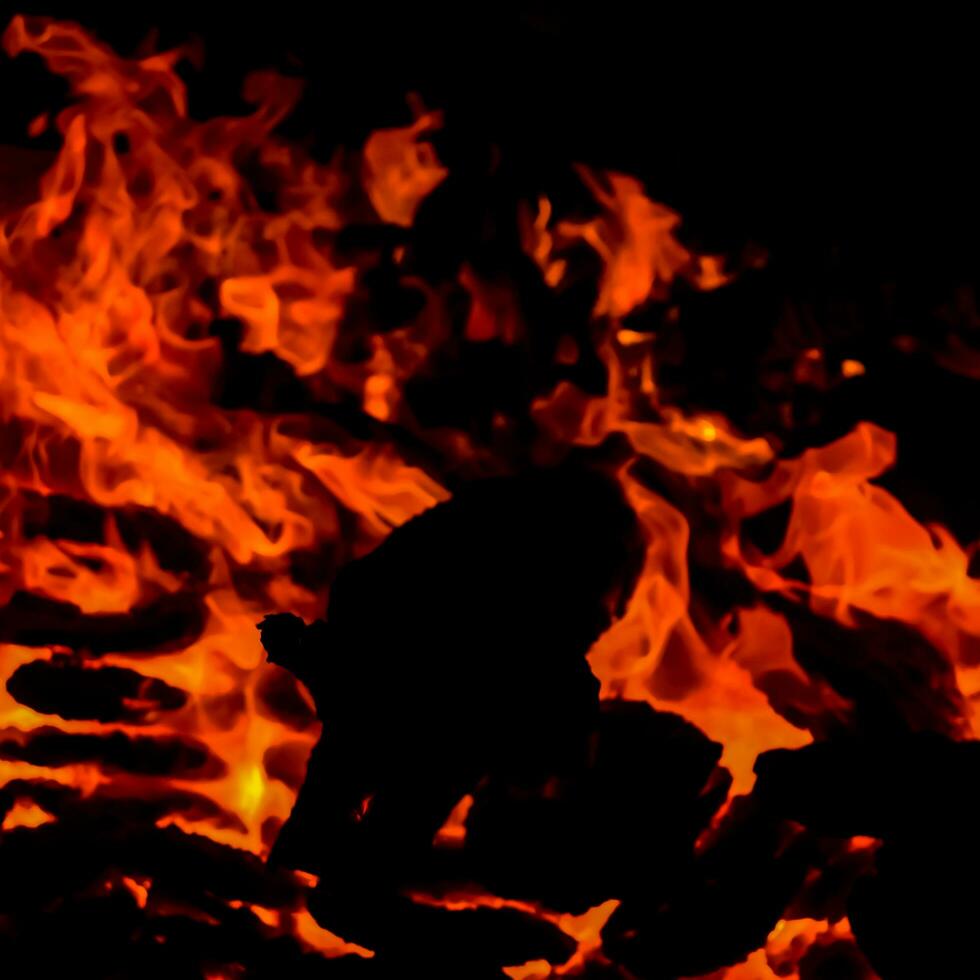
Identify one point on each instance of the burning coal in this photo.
(461, 422)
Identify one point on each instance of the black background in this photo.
(790, 127)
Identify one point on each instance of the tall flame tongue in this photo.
(146, 525)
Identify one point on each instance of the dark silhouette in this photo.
(453, 653)
(913, 912)
(623, 826)
(722, 907)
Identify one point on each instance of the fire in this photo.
(400, 169)
(139, 890)
(862, 549)
(453, 832)
(153, 258)
(635, 239)
(109, 366)
(23, 814)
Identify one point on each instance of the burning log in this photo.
(57, 516)
(279, 696)
(287, 762)
(195, 908)
(915, 912)
(475, 668)
(71, 690)
(894, 679)
(108, 936)
(911, 785)
(180, 758)
(450, 941)
(163, 625)
(599, 830)
(723, 908)
(186, 867)
(918, 793)
(153, 803)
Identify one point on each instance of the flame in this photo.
(140, 890)
(152, 257)
(316, 937)
(635, 239)
(108, 373)
(23, 814)
(400, 169)
(453, 832)
(862, 548)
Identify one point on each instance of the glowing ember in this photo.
(584, 929)
(453, 831)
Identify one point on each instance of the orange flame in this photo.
(146, 234)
